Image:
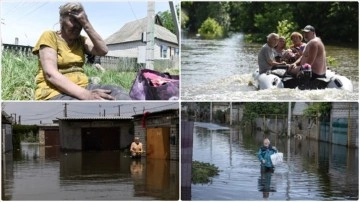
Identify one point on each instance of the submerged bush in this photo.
(202, 172)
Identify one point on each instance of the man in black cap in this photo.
(314, 55)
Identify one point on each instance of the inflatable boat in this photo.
(280, 79)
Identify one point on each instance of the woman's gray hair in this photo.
(272, 35)
(70, 6)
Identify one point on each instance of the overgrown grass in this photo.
(18, 76)
(201, 173)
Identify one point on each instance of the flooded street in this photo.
(311, 170)
(222, 70)
(45, 173)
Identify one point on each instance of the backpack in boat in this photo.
(153, 85)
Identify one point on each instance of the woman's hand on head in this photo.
(81, 17)
(100, 94)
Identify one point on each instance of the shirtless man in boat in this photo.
(314, 54)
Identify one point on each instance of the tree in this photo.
(321, 110)
(167, 21)
(253, 110)
(210, 29)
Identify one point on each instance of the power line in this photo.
(25, 15)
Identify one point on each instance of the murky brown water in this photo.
(39, 173)
(311, 170)
(222, 70)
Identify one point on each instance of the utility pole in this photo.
(230, 113)
(119, 109)
(104, 113)
(210, 111)
(13, 117)
(175, 19)
(150, 35)
(289, 119)
(65, 109)
(19, 120)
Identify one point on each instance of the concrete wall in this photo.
(159, 121)
(6, 135)
(70, 132)
(344, 123)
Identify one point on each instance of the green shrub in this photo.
(210, 29)
(202, 172)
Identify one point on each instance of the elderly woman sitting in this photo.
(61, 58)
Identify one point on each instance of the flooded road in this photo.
(311, 170)
(222, 70)
(39, 173)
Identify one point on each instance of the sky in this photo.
(27, 19)
(34, 112)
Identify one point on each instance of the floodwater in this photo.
(311, 170)
(41, 173)
(222, 70)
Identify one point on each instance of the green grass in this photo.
(18, 76)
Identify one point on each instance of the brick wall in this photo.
(159, 121)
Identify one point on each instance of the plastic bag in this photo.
(276, 158)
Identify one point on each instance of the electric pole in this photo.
(65, 109)
(119, 109)
(150, 35)
(14, 118)
(230, 113)
(19, 120)
(210, 111)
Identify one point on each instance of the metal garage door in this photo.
(100, 138)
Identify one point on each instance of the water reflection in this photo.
(311, 170)
(39, 173)
(264, 183)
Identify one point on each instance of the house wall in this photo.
(131, 49)
(6, 135)
(162, 121)
(125, 49)
(70, 132)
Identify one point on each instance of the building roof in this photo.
(132, 31)
(167, 111)
(44, 125)
(96, 118)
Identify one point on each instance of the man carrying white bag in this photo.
(269, 156)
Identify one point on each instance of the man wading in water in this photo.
(264, 154)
